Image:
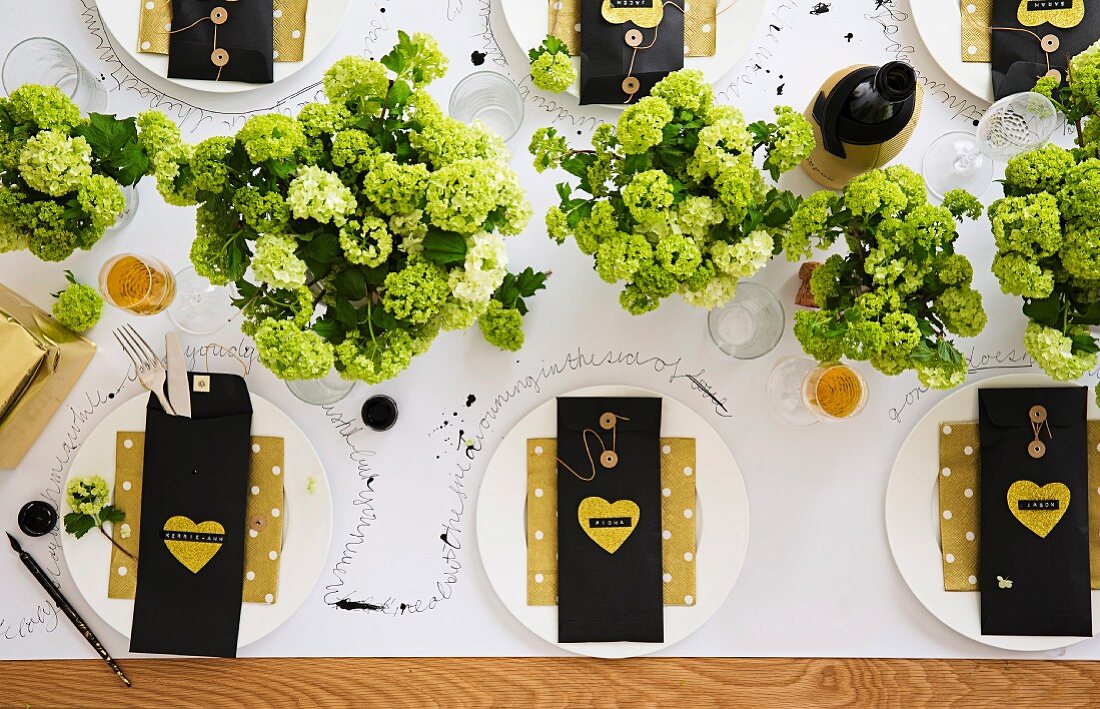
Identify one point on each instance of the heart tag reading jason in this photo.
(1039, 509)
(193, 545)
(644, 13)
(609, 525)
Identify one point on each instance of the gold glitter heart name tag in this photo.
(1060, 13)
(644, 13)
(1039, 509)
(193, 545)
(608, 524)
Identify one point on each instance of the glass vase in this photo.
(321, 392)
(45, 61)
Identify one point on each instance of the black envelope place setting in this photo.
(609, 520)
(627, 46)
(229, 41)
(1034, 568)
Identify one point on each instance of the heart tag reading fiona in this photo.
(1039, 509)
(193, 545)
(644, 13)
(608, 524)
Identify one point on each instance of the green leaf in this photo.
(578, 163)
(330, 330)
(946, 352)
(1045, 311)
(445, 248)
(115, 147)
(1084, 344)
(398, 96)
(79, 524)
(281, 168)
(111, 514)
(922, 353)
(351, 284)
(345, 313)
(325, 248)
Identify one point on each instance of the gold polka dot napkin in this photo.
(677, 521)
(960, 507)
(289, 27)
(700, 26)
(976, 18)
(264, 515)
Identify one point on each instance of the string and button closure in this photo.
(1037, 415)
(609, 457)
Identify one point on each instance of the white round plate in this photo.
(121, 19)
(527, 21)
(939, 23)
(723, 524)
(912, 519)
(307, 522)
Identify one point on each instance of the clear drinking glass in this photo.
(200, 307)
(41, 60)
(140, 285)
(491, 98)
(321, 392)
(133, 200)
(1012, 126)
(803, 392)
(750, 325)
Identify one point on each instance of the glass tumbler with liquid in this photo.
(140, 285)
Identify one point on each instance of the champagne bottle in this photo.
(862, 117)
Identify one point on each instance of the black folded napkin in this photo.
(609, 521)
(244, 41)
(606, 57)
(1038, 36)
(191, 552)
(1034, 562)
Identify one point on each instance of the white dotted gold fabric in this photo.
(700, 25)
(264, 536)
(960, 507)
(289, 28)
(976, 18)
(677, 521)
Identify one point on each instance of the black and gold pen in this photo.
(67, 608)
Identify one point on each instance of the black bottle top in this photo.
(869, 106)
(878, 98)
(380, 413)
(37, 518)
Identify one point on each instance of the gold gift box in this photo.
(40, 362)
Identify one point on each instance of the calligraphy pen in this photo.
(67, 609)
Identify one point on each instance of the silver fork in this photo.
(150, 371)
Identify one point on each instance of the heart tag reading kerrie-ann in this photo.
(609, 525)
(1038, 508)
(193, 545)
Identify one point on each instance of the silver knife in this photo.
(179, 392)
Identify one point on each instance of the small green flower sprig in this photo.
(673, 202)
(551, 66)
(358, 231)
(79, 306)
(61, 174)
(901, 290)
(1045, 229)
(89, 499)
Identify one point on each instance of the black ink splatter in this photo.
(779, 89)
(849, 37)
(776, 28)
(478, 58)
(470, 400)
(820, 8)
(346, 604)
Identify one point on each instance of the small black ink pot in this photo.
(37, 518)
(380, 413)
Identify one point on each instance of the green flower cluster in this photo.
(672, 201)
(1046, 230)
(87, 496)
(78, 307)
(899, 293)
(61, 175)
(357, 231)
(551, 66)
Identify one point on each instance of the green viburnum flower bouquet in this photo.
(358, 231)
(674, 202)
(900, 291)
(61, 174)
(551, 66)
(1047, 231)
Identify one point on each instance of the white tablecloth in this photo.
(819, 579)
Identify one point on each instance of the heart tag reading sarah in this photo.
(193, 545)
(609, 525)
(1038, 508)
